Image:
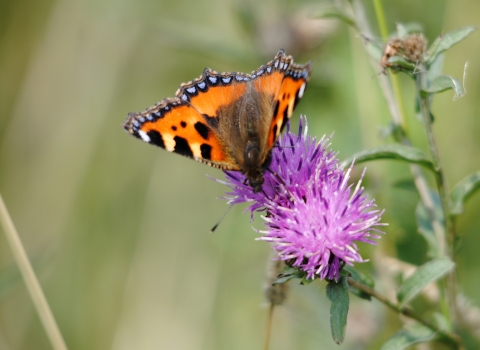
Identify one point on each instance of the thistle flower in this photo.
(313, 217)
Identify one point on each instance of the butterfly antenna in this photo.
(221, 218)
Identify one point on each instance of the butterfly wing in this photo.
(288, 84)
(173, 124)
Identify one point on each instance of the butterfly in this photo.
(230, 120)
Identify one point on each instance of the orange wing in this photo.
(173, 124)
(287, 98)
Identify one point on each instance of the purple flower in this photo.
(313, 217)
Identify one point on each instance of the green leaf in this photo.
(361, 277)
(411, 334)
(424, 223)
(306, 281)
(337, 293)
(446, 41)
(423, 275)
(463, 190)
(435, 68)
(402, 64)
(287, 274)
(335, 13)
(442, 83)
(390, 151)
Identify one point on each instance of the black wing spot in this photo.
(285, 118)
(212, 121)
(275, 112)
(183, 124)
(156, 138)
(202, 129)
(275, 128)
(182, 147)
(206, 151)
(174, 128)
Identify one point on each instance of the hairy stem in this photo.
(441, 185)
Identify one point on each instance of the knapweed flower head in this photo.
(314, 218)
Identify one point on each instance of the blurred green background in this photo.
(118, 231)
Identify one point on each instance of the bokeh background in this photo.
(118, 231)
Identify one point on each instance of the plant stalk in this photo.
(31, 281)
(449, 233)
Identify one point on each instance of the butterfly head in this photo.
(255, 165)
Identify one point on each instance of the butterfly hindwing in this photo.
(288, 95)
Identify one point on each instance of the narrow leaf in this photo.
(402, 64)
(425, 274)
(411, 334)
(442, 83)
(287, 274)
(337, 293)
(446, 41)
(463, 190)
(390, 151)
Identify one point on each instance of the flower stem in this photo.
(268, 333)
(449, 233)
(382, 24)
(36, 293)
(440, 175)
(450, 338)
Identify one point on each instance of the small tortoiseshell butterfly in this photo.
(227, 120)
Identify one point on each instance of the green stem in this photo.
(33, 287)
(440, 175)
(450, 338)
(382, 24)
(449, 233)
(268, 333)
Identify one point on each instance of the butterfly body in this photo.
(226, 120)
